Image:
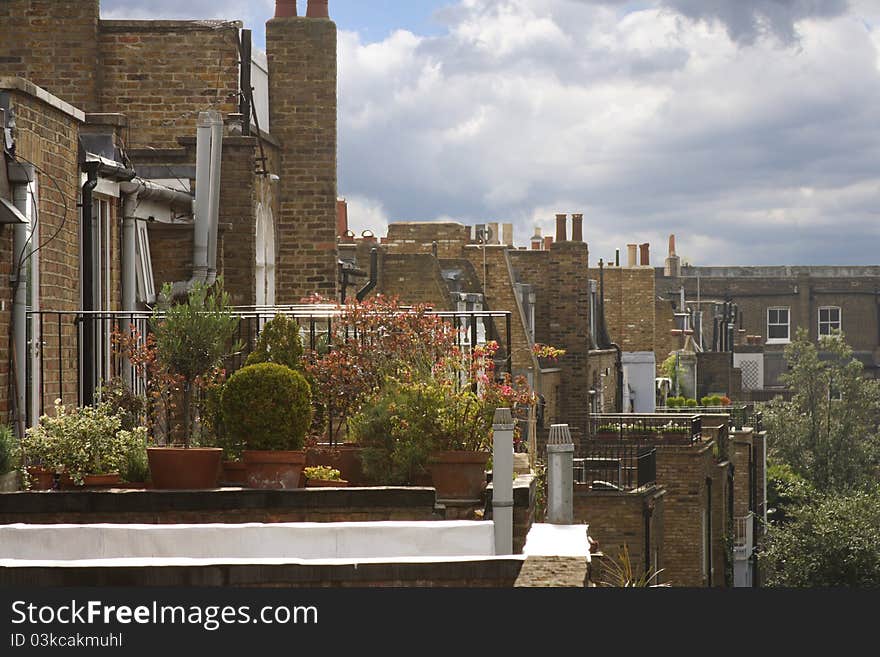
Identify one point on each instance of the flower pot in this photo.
(458, 475)
(180, 468)
(326, 483)
(102, 481)
(345, 458)
(41, 478)
(234, 473)
(274, 469)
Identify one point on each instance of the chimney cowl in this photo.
(645, 253)
(561, 232)
(318, 9)
(577, 228)
(285, 8)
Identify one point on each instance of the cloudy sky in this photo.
(746, 127)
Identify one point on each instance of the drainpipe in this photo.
(502, 480)
(129, 264)
(214, 199)
(201, 227)
(374, 275)
(19, 302)
(88, 293)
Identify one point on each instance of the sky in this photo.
(745, 127)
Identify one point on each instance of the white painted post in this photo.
(560, 476)
(502, 480)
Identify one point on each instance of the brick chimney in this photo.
(341, 217)
(285, 8)
(577, 228)
(537, 240)
(318, 9)
(672, 266)
(548, 242)
(645, 254)
(561, 235)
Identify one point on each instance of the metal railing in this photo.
(622, 467)
(655, 428)
(56, 363)
(741, 415)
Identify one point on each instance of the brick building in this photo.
(124, 115)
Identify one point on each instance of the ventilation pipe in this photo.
(317, 9)
(214, 198)
(20, 180)
(285, 8)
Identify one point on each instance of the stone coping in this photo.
(29, 88)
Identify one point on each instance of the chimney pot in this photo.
(285, 8)
(645, 250)
(631, 255)
(560, 227)
(577, 228)
(548, 242)
(318, 9)
(672, 245)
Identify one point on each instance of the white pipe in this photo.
(129, 252)
(502, 480)
(19, 306)
(214, 194)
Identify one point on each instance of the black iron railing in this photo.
(671, 428)
(620, 466)
(741, 415)
(56, 362)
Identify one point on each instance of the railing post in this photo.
(502, 480)
(560, 486)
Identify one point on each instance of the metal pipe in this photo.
(129, 265)
(214, 200)
(19, 307)
(374, 275)
(88, 292)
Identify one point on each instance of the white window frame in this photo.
(786, 339)
(839, 322)
(146, 286)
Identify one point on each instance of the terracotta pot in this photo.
(102, 481)
(326, 483)
(41, 478)
(458, 474)
(234, 473)
(345, 458)
(274, 469)
(180, 468)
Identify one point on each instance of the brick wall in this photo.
(238, 200)
(532, 267)
(302, 100)
(413, 277)
(664, 342)
(600, 362)
(47, 136)
(629, 306)
(419, 237)
(54, 44)
(618, 519)
(171, 252)
(161, 74)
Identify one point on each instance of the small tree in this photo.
(192, 339)
(827, 433)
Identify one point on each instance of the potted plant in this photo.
(191, 341)
(320, 476)
(88, 445)
(9, 456)
(268, 408)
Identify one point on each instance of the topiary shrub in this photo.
(279, 342)
(267, 407)
(691, 403)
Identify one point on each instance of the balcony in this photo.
(650, 429)
(744, 537)
(741, 415)
(622, 467)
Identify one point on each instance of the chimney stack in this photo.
(548, 242)
(560, 227)
(673, 262)
(631, 251)
(285, 8)
(318, 9)
(577, 228)
(672, 245)
(537, 240)
(645, 252)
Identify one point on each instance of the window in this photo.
(778, 325)
(146, 286)
(829, 320)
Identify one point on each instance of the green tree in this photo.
(835, 541)
(827, 433)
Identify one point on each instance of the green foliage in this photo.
(834, 541)
(675, 402)
(619, 573)
(322, 473)
(786, 491)
(690, 403)
(712, 400)
(82, 441)
(266, 407)
(828, 432)
(669, 370)
(279, 342)
(130, 407)
(193, 338)
(135, 467)
(8, 449)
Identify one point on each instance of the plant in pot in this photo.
(191, 340)
(320, 476)
(268, 408)
(88, 445)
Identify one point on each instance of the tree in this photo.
(835, 541)
(828, 432)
